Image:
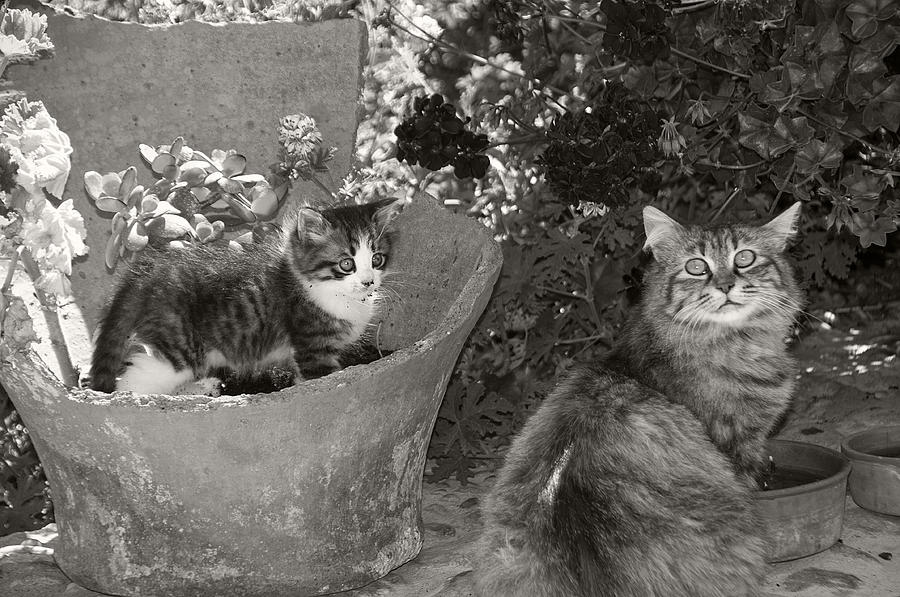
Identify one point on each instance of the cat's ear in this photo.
(311, 223)
(658, 227)
(388, 211)
(783, 228)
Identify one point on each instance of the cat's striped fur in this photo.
(282, 301)
(634, 478)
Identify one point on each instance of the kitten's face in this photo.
(342, 252)
(730, 276)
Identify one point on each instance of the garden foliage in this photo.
(712, 110)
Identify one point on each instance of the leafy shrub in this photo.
(714, 110)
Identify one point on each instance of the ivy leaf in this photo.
(865, 14)
(817, 155)
(872, 230)
(770, 141)
(865, 67)
(863, 188)
(884, 108)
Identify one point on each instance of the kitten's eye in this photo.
(378, 260)
(744, 258)
(347, 265)
(696, 267)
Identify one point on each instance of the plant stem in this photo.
(519, 141)
(787, 180)
(702, 62)
(4, 290)
(579, 340)
(589, 293)
(721, 166)
(725, 204)
(693, 6)
(839, 131)
(54, 329)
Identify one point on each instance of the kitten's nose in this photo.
(367, 279)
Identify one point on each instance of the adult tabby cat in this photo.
(633, 479)
(303, 298)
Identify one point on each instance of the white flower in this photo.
(38, 146)
(56, 237)
(299, 135)
(54, 282)
(23, 32)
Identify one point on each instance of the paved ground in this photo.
(850, 380)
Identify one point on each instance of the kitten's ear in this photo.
(311, 223)
(784, 227)
(388, 211)
(658, 226)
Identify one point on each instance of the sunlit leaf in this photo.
(234, 164)
(111, 255)
(136, 238)
(169, 226)
(263, 201)
(161, 162)
(110, 204)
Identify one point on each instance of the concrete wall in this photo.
(113, 85)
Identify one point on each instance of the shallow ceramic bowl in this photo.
(807, 518)
(875, 480)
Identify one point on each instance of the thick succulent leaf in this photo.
(93, 184)
(137, 237)
(202, 164)
(249, 178)
(164, 207)
(149, 203)
(161, 162)
(204, 231)
(234, 164)
(212, 178)
(194, 177)
(135, 197)
(230, 186)
(264, 201)
(171, 172)
(110, 204)
(119, 222)
(129, 181)
(110, 183)
(169, 226)
(148, 153)
(111, 255)
(239, 208)
(177, 146)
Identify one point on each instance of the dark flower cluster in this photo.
(435, 137)
(8, 171)
(599, 153)
(636, 29)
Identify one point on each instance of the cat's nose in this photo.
(367, 280)
(725, 285)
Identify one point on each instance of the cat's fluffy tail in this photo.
(613, 491)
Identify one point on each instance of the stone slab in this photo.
(114, 85)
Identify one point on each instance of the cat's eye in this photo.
(744, 258)
(696, 267)
(378, 260)
(347, 265)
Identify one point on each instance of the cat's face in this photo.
(731, 276)
(342, 252)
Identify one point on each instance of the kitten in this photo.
(633, 479)
(300, 299)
